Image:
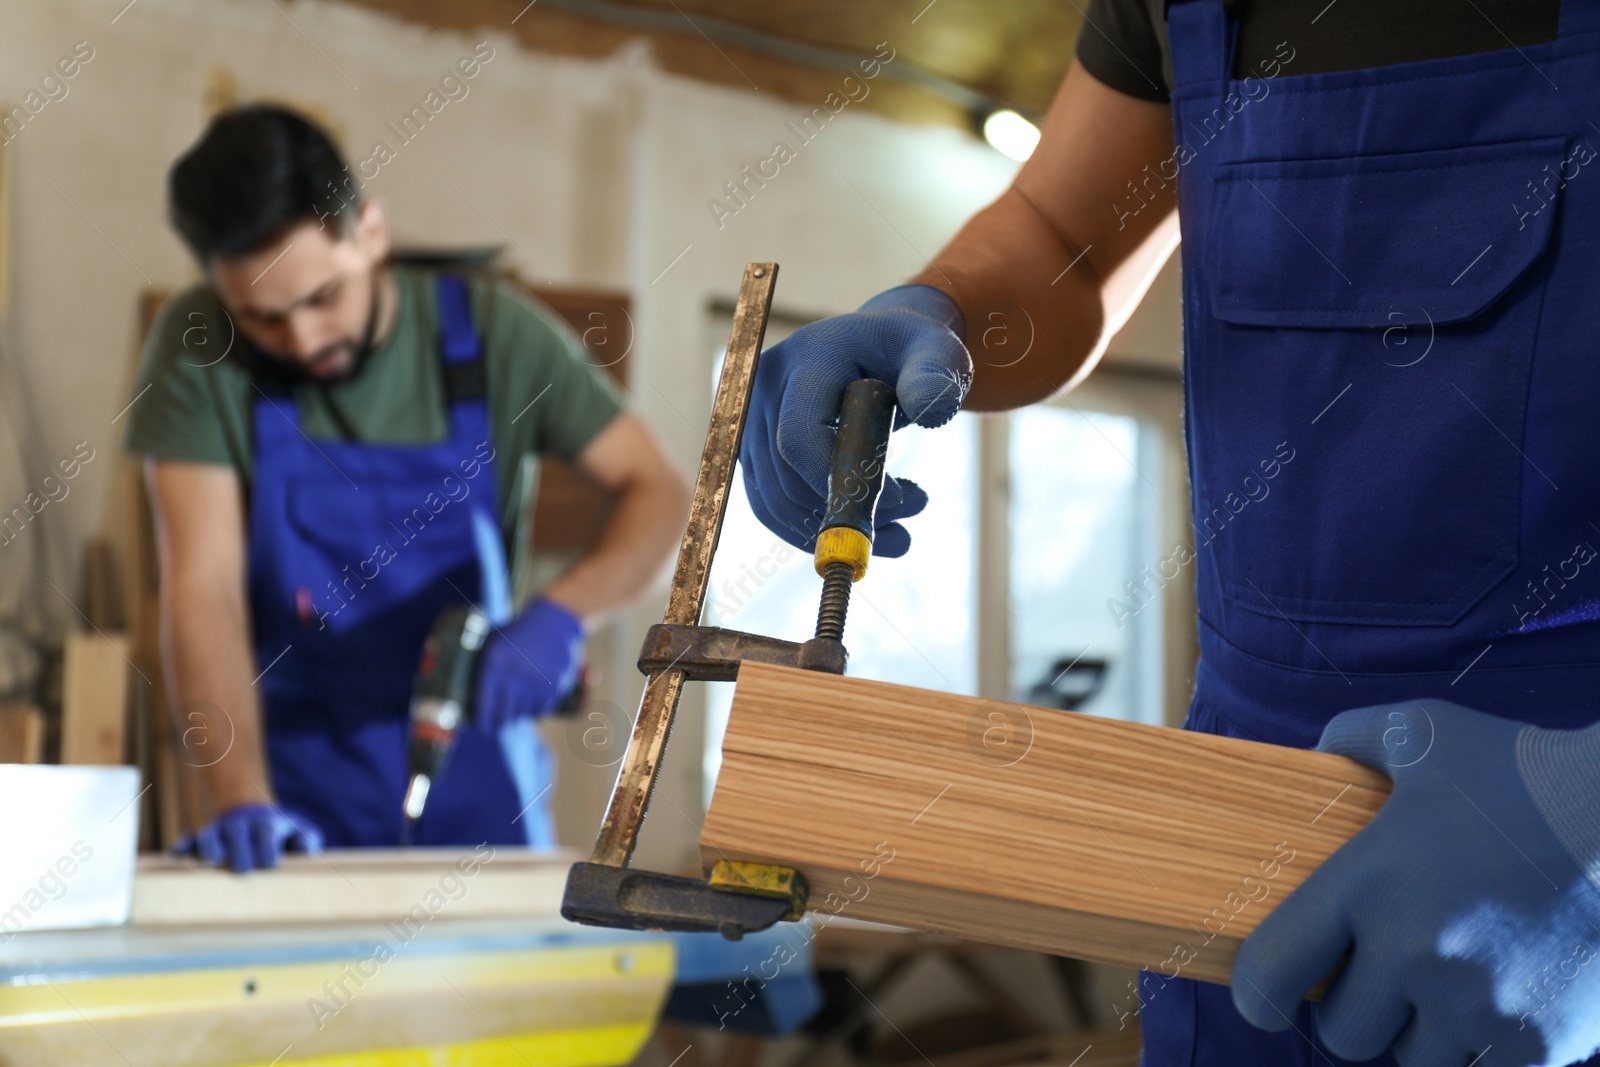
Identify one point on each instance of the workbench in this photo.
(335, 995)
(373, 990)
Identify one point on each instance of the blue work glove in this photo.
(1470, 904)
(529, 664)
(251, 836)
(909, 337)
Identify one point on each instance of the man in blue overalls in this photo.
(1390, 219)
(332, 445)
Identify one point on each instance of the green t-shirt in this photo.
(194, 403)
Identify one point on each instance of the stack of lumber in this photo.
(94, 698)
(21, 733)
(1069, 834)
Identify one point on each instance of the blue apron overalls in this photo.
(1391, 301)
(354, 550)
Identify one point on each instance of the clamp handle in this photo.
(855, 476)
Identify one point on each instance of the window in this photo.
(1081, 527)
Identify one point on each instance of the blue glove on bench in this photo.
(251, 836)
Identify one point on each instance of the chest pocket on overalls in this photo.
(1374, 321)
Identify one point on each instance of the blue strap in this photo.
(460, 348)
(458, 341)
(494, 593)
(462, 354)
(1200, 35)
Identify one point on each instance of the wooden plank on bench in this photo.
(354, 885)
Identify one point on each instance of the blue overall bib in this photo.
(354, 550)
(1391, 301)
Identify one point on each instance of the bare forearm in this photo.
(1031, 300)
(646, 524)
(216, 710)
(1050, 269)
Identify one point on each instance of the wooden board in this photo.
(94, 698)
(1110, 841)
(354, 885)
(21, 734)
(102, 596)
(1011, 54)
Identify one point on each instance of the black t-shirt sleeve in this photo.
(1120, 46)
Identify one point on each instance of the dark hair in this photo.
(256, 172)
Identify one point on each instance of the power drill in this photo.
(441, 699)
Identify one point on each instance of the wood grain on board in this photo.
(1080, 836)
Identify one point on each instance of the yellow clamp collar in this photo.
(843, 544)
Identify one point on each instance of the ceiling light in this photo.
(1011, 134)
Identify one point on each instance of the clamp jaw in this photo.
(737, 897)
